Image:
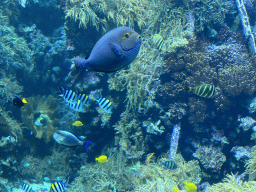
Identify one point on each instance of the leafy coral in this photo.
(40, 116)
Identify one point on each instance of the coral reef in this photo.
(40, 116)
(9, 87)
(233, 183)
(52, 167)
(211, 157)
(130, 137)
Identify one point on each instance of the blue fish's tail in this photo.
(86, 143)
(80, 63)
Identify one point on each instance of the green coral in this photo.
(233, 184)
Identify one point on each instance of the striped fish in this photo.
(83, 98)
(202, 90)
(158, 41)
(69, 95)
(78, 106)
(26, 187)
(58, 187)
(170, 165)
(105, 105)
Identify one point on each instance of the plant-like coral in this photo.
(15, 52)
(234, 184)
(40, 116)
(251, 164)
(211, 158)
(9, 87)
(130, 137)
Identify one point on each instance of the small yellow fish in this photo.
(149, 157)
(191, 187)
(24, 100)
(102, 159)
(77, 124)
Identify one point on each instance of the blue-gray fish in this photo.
(114, 50)
(26, 187)
(202, 90)
(105, 105)
(68, 139)
(170, 165)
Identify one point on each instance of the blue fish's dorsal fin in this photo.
(116, 49)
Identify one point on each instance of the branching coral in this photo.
(211, 158)
(110, 176)
(233, 183)
(40, 116)
(130, 136)
(9, 87)
(15, 52)
(251, 164)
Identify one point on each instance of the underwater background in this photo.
(159, 136)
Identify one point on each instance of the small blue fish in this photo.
(26, 187)
(114, 50)
(59, 186)
(72, 97)
(68, 139)
(78, 106)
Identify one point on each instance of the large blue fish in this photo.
(68, 139)
(114, 50)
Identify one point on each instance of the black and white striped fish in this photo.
(58, 186)
(69, 95)
(78, 106)
(105, 105)
(26, 187)
(202, 90)
(170, 165)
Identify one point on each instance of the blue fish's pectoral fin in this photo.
(116, 49)
(86, 143)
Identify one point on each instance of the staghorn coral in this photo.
(9, 87)
(211, 158)
(233, 183)
(129, 136)
(40, 116)
(251, 164)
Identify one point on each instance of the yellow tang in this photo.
(175, 189)
(191, 187)
(77, 124)
(102, 159)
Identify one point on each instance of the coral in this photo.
(10, 126)
(40, 116)
(211, 157)
(233, 183)
(130, 136)
(87, 12)
(50, 166)
(251, 164)
(15, 53)
(174, 141)
(110, 176)
(9, 87)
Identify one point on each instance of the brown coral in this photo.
(40, 116)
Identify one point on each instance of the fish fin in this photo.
(86, 143)
(61, 90)
(116, 49)
(80, 63)
(187, 88)
(24, 100)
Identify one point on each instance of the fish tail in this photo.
(61, 90)
(80, 63)
(86, 143)
(187, 88)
